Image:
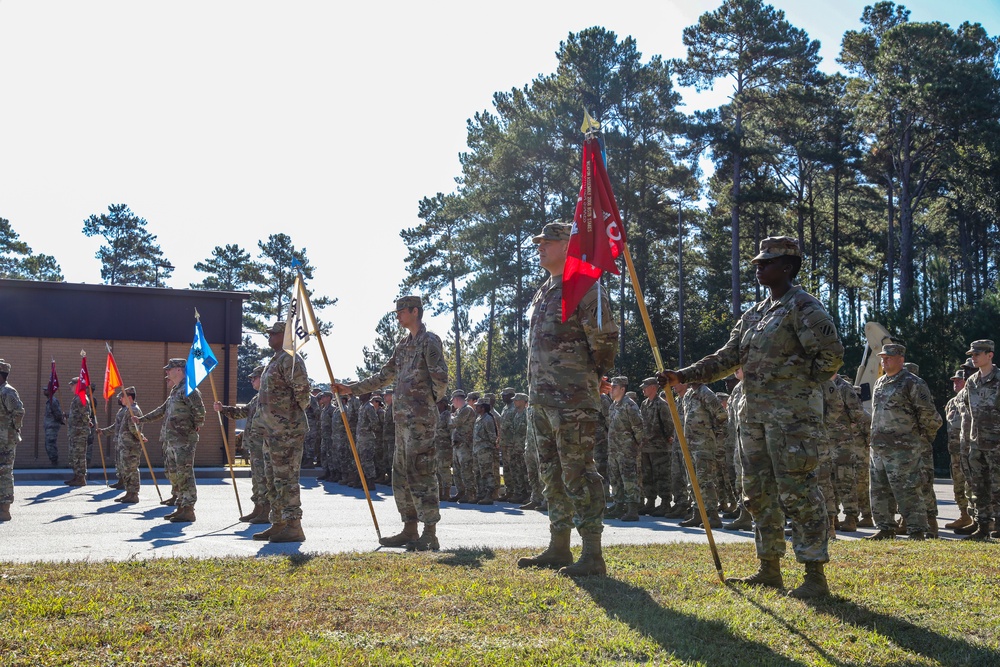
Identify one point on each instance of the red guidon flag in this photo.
(598, 236)
(112, 378)
(84, 384)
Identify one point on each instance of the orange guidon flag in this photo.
(112, 378)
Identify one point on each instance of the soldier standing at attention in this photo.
(982, 402)
(112, 431)
(367, 437)
(850, 441)
(463, 419)
(442, 440)
(624, 438)
(704, 421)
(904, 420)
(420, 373)
(953, 418)
(566, 361)
(484, 444)
(11, 418)
(788, 347)
(506, 441)
(54, 420)
(282, 402)
(657, 437)
(253, 440)
(182, 415)
(79, 430)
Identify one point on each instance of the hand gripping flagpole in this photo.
(138, 434)
(225, 440)
(343, 414)
(93, 412)
(590, 129)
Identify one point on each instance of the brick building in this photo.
(145, 326)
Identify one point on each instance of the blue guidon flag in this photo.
(201, 359)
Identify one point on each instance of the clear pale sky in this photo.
(225, 121)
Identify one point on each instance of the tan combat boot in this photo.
(253, 513)
(555, 556)
(661, 509)
(291, 532)
(866, 521)
(631, 512)
(649, 506)
(591, 561)
(694, 520)
(264, 516)
(814, 585)
(849, 524)
(76, 480)
(427, 541)
(120, 485)
(408, 535)
(714, 521)
(832, 526)
(768, 574)
(963, 521)
(615, 512)
(530, 505)
(4, 511)
(184, 514)
(743, 522)
(273, 530)
(932, 527)
(982, 533)
(129, 497)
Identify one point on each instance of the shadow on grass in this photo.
(914, 638)
(683, 636)
(467, 557)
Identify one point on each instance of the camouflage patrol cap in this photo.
(484, 403)
(777, 246)
(276, 328)
(176, 363)
(326, 394)
(977, 346)
(912, 367)
(619, 380)
(959, 374)
(520, 396)
(893, 350)
(458, 393)
(404, 302)
(130, 391)
(387, 392)
(650, 382)
(74, 380)
(554, 231)
(256, 372)
(508, 391)
(631, 394)
(490, 397)
(4, 366)
(474, 395)
(969, 367)
(378, 397)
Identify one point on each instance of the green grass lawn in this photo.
(930, 603)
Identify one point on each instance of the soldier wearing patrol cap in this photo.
(655, 454)
(80, 422)
(566, 361)
(183, 415)
(126, 438)
(516, 470)
(788, 346)
(484, 445)
(11, 417)
(463, 420)
(624, 443)
(253, 441)
(514, 493)
(419, 373)
(959, 483)
(982, 402)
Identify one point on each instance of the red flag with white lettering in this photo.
(598, 236)
(83, 386)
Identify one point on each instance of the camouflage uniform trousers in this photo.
(484, 457)
(78, 450)
(964, 460)
(179, 467)
(623, 472)
(706, 467)
(779, 478)
(130, 456)
(258, 479)
(958, 479)
(444, 457)
(843, 453)
(678, 478)
(8, 444)
(602, 455)
(309, 445)
(655, 475)
(897, 479)
(531, 462)
(863, 492)
(984, 477)
(574, 490)
(515, 471)
(930, 498)
(414, 469)
(726, 477)
(52, 443)
(825, 473)
(465, 470)
(283, 445)
(367, 446)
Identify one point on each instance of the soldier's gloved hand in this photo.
(668, 378)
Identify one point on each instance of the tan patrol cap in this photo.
(777, 246)
(554, 231)
(977, 346)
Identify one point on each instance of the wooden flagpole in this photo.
(93, 412)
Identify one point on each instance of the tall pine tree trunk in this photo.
(735, 254)
(457, 330)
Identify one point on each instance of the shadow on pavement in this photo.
(467, 557)
(687, 638)
(162, 535)
(52, 494)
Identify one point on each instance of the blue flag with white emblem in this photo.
(201, 359)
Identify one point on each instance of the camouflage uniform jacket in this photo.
(854, 412)
(247, 411)
(484, 433)
(953, 418)
(369, 426)
(182, 416)
(518, 427)
(787, 347)
(704, 417)
(123, 430)
(442, 431)
(284, 392)
(388, 426)
(419, 371)
(79, 416)
(11, 414)
(507, 424)
(625, 428)
(312, 413)
(54, 417)
(657, 425)
(567, 359)
(462, 423)
(903, 411)
(982, 403)
(733, 417)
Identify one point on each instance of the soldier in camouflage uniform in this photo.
(704, 423)
(953, 418)
(310, 450)
(848, 436)
(484, 444)
(382, 470)
(927, 459)
(904, 420)
(388, 434)
(111, 430)
(566, 361)
(982, 408)
(420, 373)
(253, 440)
(442, 440)
(11, 419)
(537, 500)
(367, 438)
(80, 419)
(327, 460)
(463, 420)
(515, 470)
(625, 434)
(183, 415)
(282, 401)
(657, 439)
(54, 420)
(126, 438)
(505, 443)
(788, 347)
